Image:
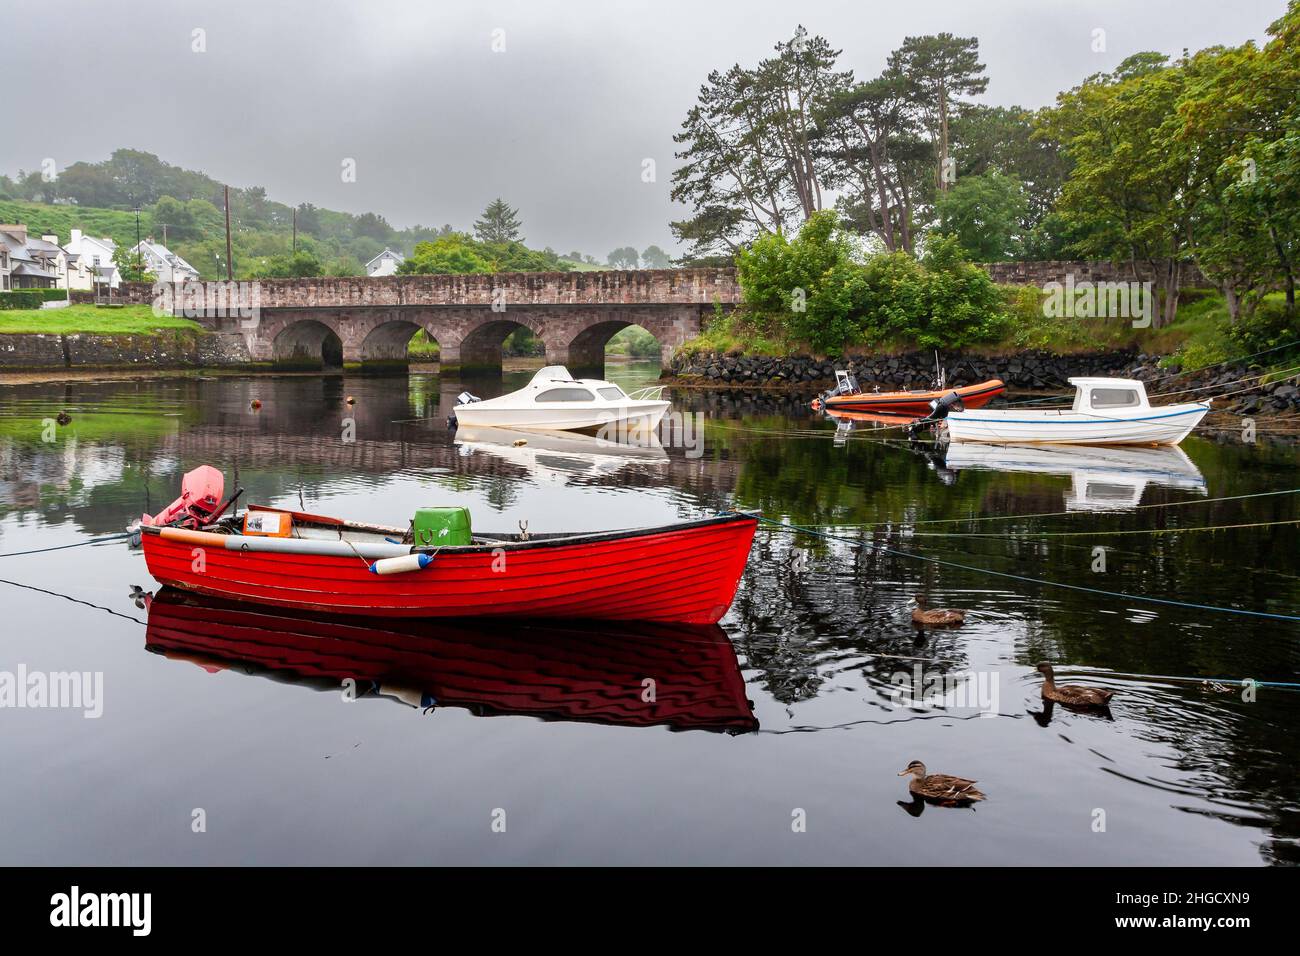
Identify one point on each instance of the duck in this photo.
(1072, 695)
(351, 400)
(63, 418)
(940, 787)
(939, 617)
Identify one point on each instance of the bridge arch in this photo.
(307, 343)
(587, 337)
(587, 348)
(389, 343)
(480, 349)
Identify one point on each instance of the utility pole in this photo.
(230, 275)
(295, 231)
(139, 266)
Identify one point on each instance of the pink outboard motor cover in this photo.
(201, 493)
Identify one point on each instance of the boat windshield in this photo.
(1114, 398)
(566, 395)
(611, 393)
(551, 373)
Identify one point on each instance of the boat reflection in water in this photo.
(1104, 478)
(558, 456)
(635, 675)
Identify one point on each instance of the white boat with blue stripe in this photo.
(1106, 411)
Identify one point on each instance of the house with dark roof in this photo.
(32, 263)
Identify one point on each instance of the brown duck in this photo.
(939, 617)
(940, 787)
(1072, 695)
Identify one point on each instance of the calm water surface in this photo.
(788, 711)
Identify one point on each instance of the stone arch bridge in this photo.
(574, 314)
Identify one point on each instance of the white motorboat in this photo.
(1106, 411)
(555, 400)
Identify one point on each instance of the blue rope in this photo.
(1021, 577)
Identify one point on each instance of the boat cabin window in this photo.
(566, 395)
(1114, 398)
(611, 394)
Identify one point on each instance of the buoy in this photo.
(402, 564)
(63, 418)
(255, 404)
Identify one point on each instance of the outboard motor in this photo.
(939, 409)
(464, 398)
(845, 384)
(201, 493)
(948, 402)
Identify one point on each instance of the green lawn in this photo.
(92, 320)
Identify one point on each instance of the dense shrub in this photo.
(26, 298)
(812, 290)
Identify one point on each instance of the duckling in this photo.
(940, 787)
(63, 418)
(939, 617)
(1072, 695)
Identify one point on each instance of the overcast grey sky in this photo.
(439, 124)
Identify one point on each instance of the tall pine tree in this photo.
(500, 223)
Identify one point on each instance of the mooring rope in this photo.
(1058, 514)
(1104, 532)
(75, 544)
(1025, 578)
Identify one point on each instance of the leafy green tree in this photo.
(1241, 125)
(749, 161)
(374, 226)
(456, 253)
(500, 223)
(344, 266)
(1128, 187)
(1006, 140)
(296, 265)
(181, 220)
(655, 258)
(807, 288)
(309, 219)
(870, 134)
(624, 257)
(130, 266)
(940, 69)
(986, 214)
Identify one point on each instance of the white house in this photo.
(90, 262)
(385, 264)
(164, 263)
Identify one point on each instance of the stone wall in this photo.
(914, 370)
(605, 287)
(608, 287)
(1083, 270)
(163, 350)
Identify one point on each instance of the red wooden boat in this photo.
(909, 403)
(683, 573)
(571, 671)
